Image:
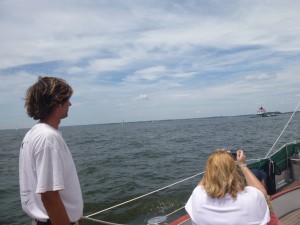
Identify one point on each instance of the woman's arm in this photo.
(249, 176)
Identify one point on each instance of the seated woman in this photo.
(222, 198)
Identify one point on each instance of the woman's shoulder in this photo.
(199, 189)
(250, 188)
(253, 191)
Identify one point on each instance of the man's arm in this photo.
(55, 208)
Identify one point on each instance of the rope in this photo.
(175, 211)
(152, 192)
(257, 160)
(283, 130)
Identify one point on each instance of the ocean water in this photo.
(119, 162)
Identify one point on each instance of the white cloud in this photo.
(147, 74)
(189, 56)
(75, 70)
(261, 77)
(143, 97)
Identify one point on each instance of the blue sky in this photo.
(137, 60)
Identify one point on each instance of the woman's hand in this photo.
(251, 179)
(240, 157)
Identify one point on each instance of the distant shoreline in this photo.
(146, 121)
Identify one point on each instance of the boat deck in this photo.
(292, 218)
(290, 185)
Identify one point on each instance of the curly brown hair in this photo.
(45, 95)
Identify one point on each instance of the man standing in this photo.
(49, 185)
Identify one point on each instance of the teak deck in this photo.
(291, 219)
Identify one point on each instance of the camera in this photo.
(233, 154)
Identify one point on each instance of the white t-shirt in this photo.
(46, 164)
(249, 208)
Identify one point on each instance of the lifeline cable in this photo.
(143, 195)
(175, 211)
(283, 130)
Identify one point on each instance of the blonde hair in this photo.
(222, 176)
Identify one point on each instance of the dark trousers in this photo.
(47, 223)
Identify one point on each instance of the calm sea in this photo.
(118, 162)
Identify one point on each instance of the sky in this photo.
(144, 60)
